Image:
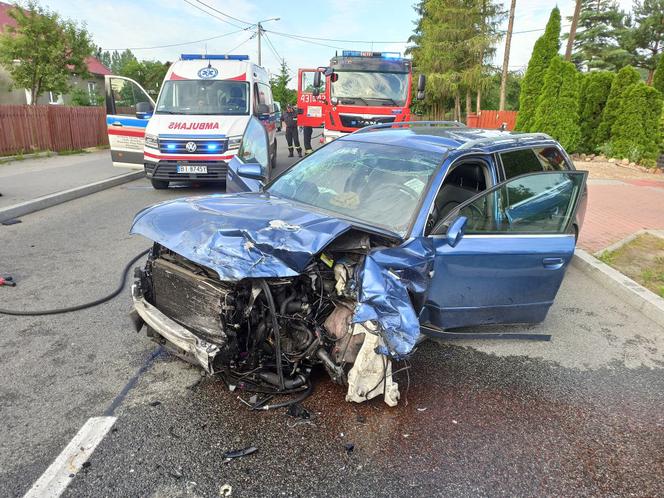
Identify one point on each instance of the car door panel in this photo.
(126, 131)
(509, 268)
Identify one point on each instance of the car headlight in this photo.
(151, 141)
(234, 143)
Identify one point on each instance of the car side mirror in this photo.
(421, 85)
(143, 110)
(456, 231)
(253, 171)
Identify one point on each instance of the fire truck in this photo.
(357, 89)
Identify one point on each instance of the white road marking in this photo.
(57, 477)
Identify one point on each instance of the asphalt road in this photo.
(580, 415)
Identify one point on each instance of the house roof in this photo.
(94, 66)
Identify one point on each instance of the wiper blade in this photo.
(386, 99)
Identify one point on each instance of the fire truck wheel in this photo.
(159, 184)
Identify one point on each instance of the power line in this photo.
(333, 39)
(224, 14)
(303, 39)
(176, 44)
(245, 41)
(274, 50)
(212, 15)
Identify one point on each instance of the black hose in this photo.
(83, 306)
(275, 329)
(305, 394)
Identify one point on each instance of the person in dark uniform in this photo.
(306, 136)
(292, 136)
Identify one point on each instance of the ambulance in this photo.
(195, 128)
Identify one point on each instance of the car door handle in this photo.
(117, 123)
(553, 263)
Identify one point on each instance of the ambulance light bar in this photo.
(213, 57)
(358, 53)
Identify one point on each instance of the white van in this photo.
(196, 126)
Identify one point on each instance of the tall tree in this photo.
(599, 39)
(148, 74)
(626, 77)
(279, 83)
(557, 109)
(48, 50)
(572, 30)
(658, 78)
(546, 48)
(635, 133)
(506, 57)
(647, 36)
(594, 92)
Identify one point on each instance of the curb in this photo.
(50, 200)
(631, 292)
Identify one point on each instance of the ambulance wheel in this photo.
(159, 184)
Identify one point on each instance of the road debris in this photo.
(240, 453)
(226, 490)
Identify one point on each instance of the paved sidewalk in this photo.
(21, 181)
(618, 208)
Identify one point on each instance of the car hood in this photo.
(248, 235)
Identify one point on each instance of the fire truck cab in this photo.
(357, 89)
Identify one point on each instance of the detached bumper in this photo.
(194, 347)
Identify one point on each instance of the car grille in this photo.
(203, 146)
(167, 170)
(355, 121)
(192, 300)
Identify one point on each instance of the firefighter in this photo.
(292, 136)
(306, 136)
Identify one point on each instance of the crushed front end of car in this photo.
(260, 292)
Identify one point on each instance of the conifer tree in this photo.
(626, 77)
(594, 93)
(546, 48)
(658, 79)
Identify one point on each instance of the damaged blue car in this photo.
(351, 256)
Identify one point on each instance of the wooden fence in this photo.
(26, 128)
(492, 119)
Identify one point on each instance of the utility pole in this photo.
(572, 31)
(506, 57)
(259, 28)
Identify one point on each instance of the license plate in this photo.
(192, 169)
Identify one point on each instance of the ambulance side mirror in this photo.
(143, 110)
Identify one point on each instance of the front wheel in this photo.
(159, 184)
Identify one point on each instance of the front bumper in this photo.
(167, 170)
(201, 351)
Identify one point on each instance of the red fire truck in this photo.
(357, 89)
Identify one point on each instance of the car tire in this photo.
(273, 159)
(159, 184)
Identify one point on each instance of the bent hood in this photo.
(239, 236)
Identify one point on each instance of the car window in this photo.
(377, 184)
(535, 203)
(253, 148)
(532, 160)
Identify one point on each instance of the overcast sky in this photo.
(148, 23)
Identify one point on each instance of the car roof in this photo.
(441, 137)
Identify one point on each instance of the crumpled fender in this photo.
(240, 236)
(386, 278)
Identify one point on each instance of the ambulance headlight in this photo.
(151, 141)
(234, 143)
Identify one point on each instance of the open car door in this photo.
(501, 256)
(250, 168)
(310, 107)
(128, 109)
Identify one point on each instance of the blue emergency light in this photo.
(213, 57)
(359, 53)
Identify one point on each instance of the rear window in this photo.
(522, 161)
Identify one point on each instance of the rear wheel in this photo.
(159, 184)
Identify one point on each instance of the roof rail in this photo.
(521, 137)
(397, 124)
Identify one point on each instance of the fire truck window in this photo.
(308, 82)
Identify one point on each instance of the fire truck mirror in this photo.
(334, 77)
(317, 82)
(316, 91)
(421, 83)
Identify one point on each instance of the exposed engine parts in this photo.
(265, 335)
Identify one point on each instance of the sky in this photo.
(137, 24)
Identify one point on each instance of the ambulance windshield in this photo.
(204, 97)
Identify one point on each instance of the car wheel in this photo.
(159, 184)
(273, 159)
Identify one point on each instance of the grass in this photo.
(642, 260)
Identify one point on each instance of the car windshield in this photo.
(376, 184)
(387, 88)
(207, 97)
